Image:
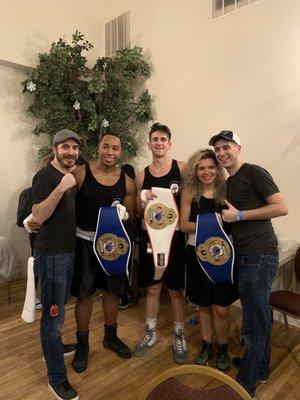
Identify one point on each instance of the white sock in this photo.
(178, 326)
(151, 322)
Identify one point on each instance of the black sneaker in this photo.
(205, 354)
(236, 361)
(223, 362)
(124, 303)
(263, 380)
(63, 391)
(80, 359)
(116, 345)
(69, 349)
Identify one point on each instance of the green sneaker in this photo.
(223, 358)
(205, 354)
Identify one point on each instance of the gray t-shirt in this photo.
(248, 189)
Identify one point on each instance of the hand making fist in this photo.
(67, 182)
(146, 195)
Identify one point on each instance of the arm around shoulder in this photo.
(139, 183)
(181, 165)
(79, 174)
(185, 224)
(130, 198)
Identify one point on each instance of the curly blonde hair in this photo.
(192, 183)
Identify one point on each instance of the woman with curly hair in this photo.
(203, 192)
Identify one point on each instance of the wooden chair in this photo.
(286, 301)
(166, 387)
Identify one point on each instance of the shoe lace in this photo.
(147, 338)
(179, 343)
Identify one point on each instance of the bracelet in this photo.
(240, 215)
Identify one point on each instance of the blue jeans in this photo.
(255, 277)
(54, 271)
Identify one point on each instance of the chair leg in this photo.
(272, 316)
(285, 321)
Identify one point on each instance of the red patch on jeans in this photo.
(54, 310)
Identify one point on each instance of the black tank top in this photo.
(171, 180)
(207, 205)
(92, 195)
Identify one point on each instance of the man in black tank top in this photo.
(162, 172)
(100, 183)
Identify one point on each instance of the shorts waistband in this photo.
(191, 239)
(87, 235)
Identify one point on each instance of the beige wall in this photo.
(240, 72)
(29, 27)
(26, 29)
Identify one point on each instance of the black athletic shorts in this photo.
(88, 274)
(200, 290)
(174, 275)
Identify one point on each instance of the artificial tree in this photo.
(107, 97)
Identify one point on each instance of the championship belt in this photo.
(214, 250)
(112, 245)
(161, 218)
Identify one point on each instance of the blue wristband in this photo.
(240, 215)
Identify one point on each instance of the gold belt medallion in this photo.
(214, 250)
(158, 216)
(110, 247)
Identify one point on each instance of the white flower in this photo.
(105, 123)
(31, 86)
(76, 105)
(129, 143)
(104, 66)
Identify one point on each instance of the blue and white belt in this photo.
(214, 250)
(112, 245)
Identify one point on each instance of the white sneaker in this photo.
(180, 354)
(148, 340)
(38, 304)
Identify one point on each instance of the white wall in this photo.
(240, 72)
(26, 29)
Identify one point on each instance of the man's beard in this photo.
(62, 159)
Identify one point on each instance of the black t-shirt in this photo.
(58, 232)
(248, 189)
